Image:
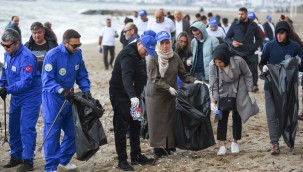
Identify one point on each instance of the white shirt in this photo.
(141, 25)
(218, 33)
(179, 27)
(226, 28)
(108, 36)
(167, 25)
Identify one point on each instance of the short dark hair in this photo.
(225, 20)
(37, 25)
(198, 15)
(70, 33)
(243, 9)
(210, 15)
(203, 17)
(13, 17)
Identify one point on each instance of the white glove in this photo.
(252, 97)
(298, 60)
(198, 82)
(172, 91)
(188, 62)
(213, 107)
(265, 68)
(135, 102)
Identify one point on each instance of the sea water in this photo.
(66, 14)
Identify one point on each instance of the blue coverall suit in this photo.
(22, 80)
(60, 70)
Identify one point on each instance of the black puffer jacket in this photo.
(129, 74)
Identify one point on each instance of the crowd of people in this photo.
(159, 55)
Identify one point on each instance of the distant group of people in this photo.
(159, 55)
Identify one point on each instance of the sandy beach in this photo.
(254, 147)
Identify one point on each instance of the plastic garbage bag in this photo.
(89, 132)
(193, 130)
(282, 82)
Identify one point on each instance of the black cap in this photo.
(37, 25)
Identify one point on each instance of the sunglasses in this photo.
(75, 45)
(127, 30)
(7, 46)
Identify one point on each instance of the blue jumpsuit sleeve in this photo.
(48, 77)
(28, 68)
(82, 78)
(3, 81)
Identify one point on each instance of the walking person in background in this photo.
(274, 52)
(269, 29)
(63, 66)
(39, 43)
(162, 71)
(107, 39)
(160, 23)
(142, 23)
(229, 76)
(125, 88)
(14, 24)
(225, 25)
(183, 48)
(181, 24)
(244, 38)
(215, 30)
(21, 78)
(203, 46)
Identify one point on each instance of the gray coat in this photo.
(160, 104)
(228, 85)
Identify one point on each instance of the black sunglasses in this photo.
(75, 45)
(127, 30)
(7, 46)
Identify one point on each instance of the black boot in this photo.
(141, 159)
(25, 166)
(12, 163)
(124, 165)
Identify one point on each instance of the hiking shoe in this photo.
(68, 167)
(12, 163)
(124, 165)
(275, 150)
(222, 151)
(234, 147)
(141, 159)
(25, 166)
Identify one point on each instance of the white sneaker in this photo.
(68, 166)
(222, 151)
(234, 147)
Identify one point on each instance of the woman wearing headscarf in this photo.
(162, 71)
(229, 76)
(183, 48)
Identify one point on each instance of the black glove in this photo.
(67, 95)
(3, 93)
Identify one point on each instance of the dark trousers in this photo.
(111, 50)
(222, 126)
(253, 67)
(122, 123)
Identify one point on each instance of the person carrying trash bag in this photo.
(276, 52)
(162, 71)
(20, 78)
(62, 67)
(89, 132)
(231, 86)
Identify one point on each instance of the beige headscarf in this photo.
(163, 59)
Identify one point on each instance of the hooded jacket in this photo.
(209, 44)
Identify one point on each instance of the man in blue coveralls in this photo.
(62, 67)
(21, 78)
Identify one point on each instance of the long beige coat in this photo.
(228, 83)
(160, 104)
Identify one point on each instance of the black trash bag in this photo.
(193, 130)
(144, 124)
(282, 81)
(89, 132)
